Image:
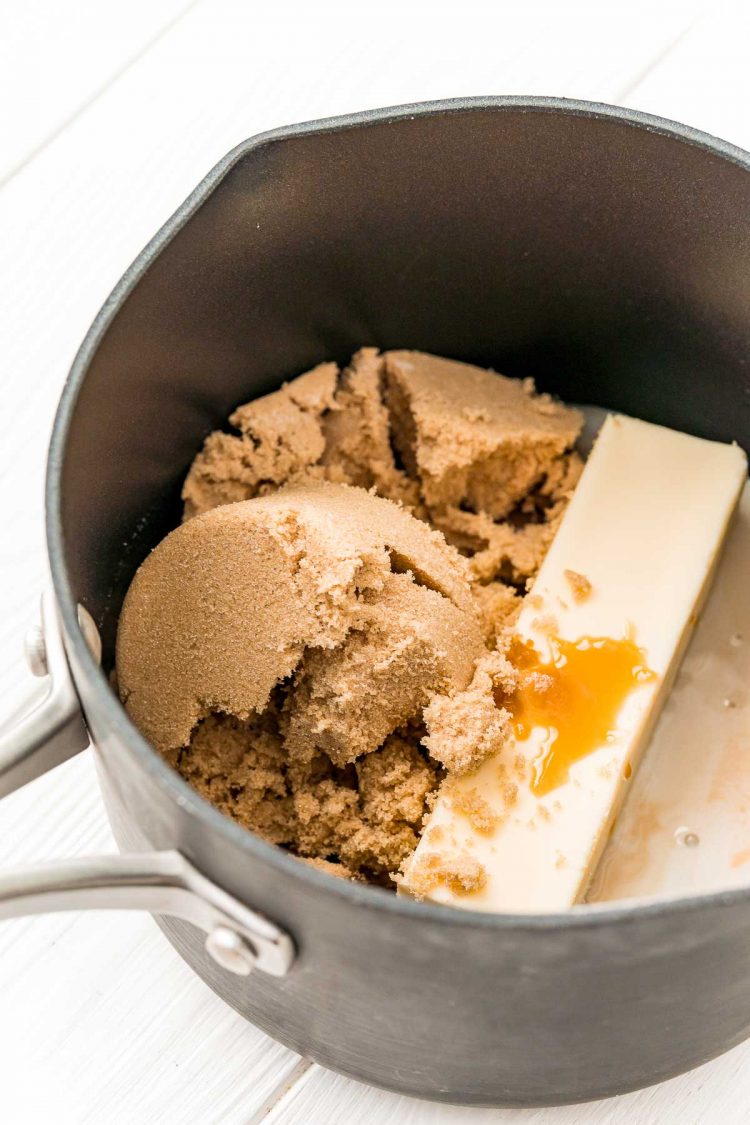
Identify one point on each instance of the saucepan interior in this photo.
(603, 256)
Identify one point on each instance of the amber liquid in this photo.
(574, 696)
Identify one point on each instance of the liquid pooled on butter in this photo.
(574, 695)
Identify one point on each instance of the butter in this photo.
(629, 566)
(685, 828)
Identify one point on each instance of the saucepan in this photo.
(602, 251)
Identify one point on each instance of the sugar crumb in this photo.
(460, 874)
(579, 584)
(545, 624)
(478, 811)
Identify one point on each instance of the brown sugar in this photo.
(329, 867)
(512, 548)
(412, 643)
(486, 460)
(357, 433)
(323, 637)
(227, 605)
(483, 458)
(466, 727)
(281, 439)
(579, 585)
(462, 874)
(471, 804)
(361, 822)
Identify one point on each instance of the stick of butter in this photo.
(598, 643)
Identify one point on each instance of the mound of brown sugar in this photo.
(483, 458)
(407, 643)
(365, 608)
(322, 637)
(474, 440)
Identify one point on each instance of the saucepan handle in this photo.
(237, 938)
(50, 729)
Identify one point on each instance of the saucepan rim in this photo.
(112, 711)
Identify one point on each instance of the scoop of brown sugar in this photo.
(364, 607)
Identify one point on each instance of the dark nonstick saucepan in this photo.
(602, 251)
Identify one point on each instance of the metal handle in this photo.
(237, 938)
(54, 730)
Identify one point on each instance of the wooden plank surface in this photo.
(57, 58)
(99, 1018)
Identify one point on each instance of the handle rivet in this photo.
(231, 951)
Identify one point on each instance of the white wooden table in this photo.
(109, 116)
